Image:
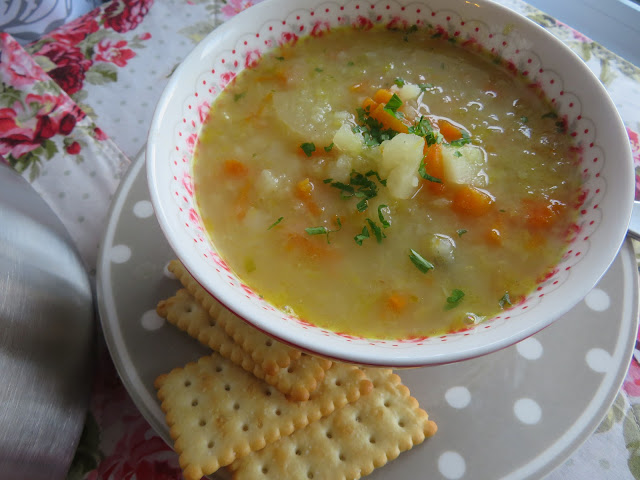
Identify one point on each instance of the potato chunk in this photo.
(399, 163)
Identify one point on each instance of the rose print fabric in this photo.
(75, 104)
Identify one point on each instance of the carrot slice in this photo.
(383, 96)
(449, 131)
(235, 168)
(468, 200)
(542, 214)
(397, 302)
(388, 120)
(369, 105)
(434, 166)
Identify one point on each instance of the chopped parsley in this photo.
(308, 148)
(322, 230)
(423, 128)
(376, 230)
(466, 138)
(362, 236)
(373, 132)
(359, 186)
(524, 119)
(455, 298)
(318, 69)
(422, 170)
(275, 223)
(425, 86)
(280, 58)
(505, 300)
(421, 264)
(238, 96)
(328, 148)
(393, 105)
(457, 154)
(399, 81)
(461, 232)
(385, 223)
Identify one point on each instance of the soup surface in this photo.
(386, 184)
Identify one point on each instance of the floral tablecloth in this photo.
(75, 106)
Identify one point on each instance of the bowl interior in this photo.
(530, 52)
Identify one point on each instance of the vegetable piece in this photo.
(465, 168)
(348, 141)
(401, 157)
(382, 96)
(303, 191)
(388, 120)
(543, 213)
(397, 302)
(455, 298)
(433, 168)
(449, 131)
(275, 223)
(505, 300)
(362, 236)
(471, 201)
(235, 168)
(308, 148)
(443, 248)
(421, 264)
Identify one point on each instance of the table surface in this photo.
(75, 105)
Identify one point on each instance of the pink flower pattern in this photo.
(234, 7)
(114, 52)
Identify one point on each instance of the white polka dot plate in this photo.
(514, 414)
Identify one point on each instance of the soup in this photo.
(386, 184)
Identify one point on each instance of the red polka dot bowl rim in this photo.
(529, 50)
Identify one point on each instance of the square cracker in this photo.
(348, 444)
(217, 412)
(297, 381)
(266, 352)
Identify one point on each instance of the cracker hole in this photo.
(245, 428)
(236, 406)
(218, 369)
(278, 412)
(309, 474)
(265, 470)
(268, 343)
(372, 440)
(187, 383)
(267, 393)
(387, 403)
(358, 419)
(342, 457)
(211, 444)
(298, 452)
(329, 435)
(188, 309)
(290, 369)
(202, 422)
(338, 382)
(227, 387)
(194, 402)
(401, 423)
(212, 323)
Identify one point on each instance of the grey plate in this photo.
(514, 414)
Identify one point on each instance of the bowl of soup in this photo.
(390, 183)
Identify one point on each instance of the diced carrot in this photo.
(542, 214)
(388, 120)
(241, 204)
(303, 191)
(468, 200)
(369, 105)
(397, 302)
(312, 248)
(383, 96)
(235, 168)
(449, 131)
(434, 166)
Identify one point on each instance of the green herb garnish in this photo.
(280, 58)
(524, 119)
(275, 223)
(328, 148)
(376, 230)
(308, 148)
(457, 154)
(461, 232)
(425, 86)
(362, 236)
(393, 105)
(422, 170)
(505, 300)
(423, 265)
(322, 230)
(318, 69)
(385, 223)
(238, 96)
(466, 138)
(372, 131)
(455, 298)
(399, 82)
